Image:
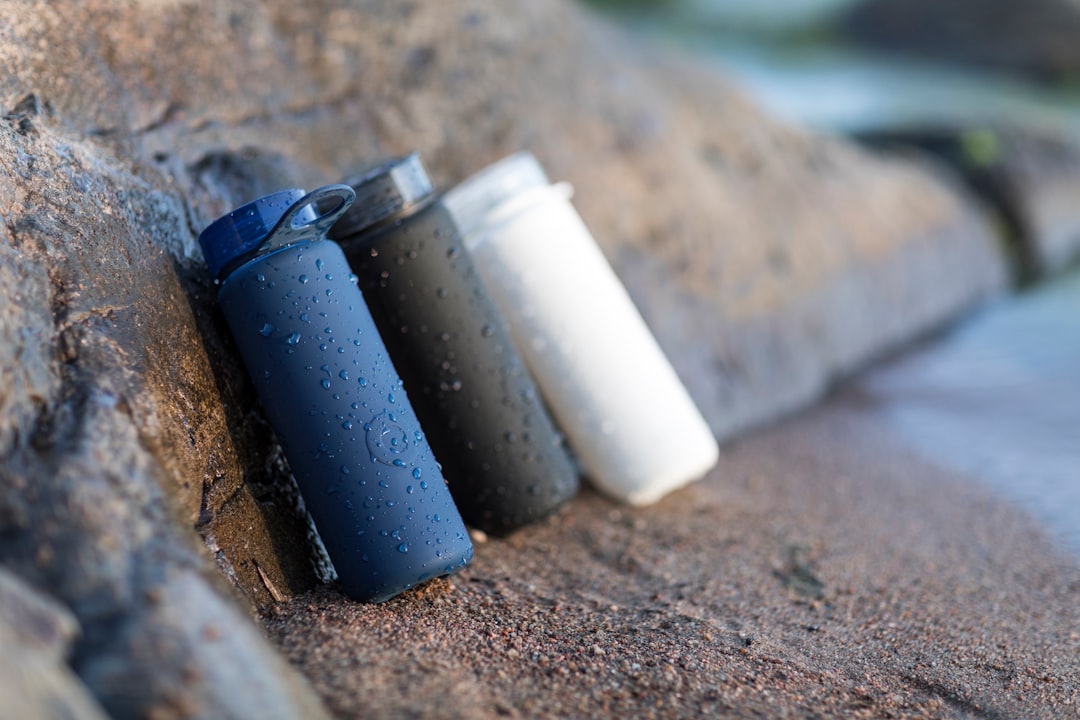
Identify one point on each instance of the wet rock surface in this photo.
(133, 455)
(113, 434)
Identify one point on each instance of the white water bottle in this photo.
(626, 414)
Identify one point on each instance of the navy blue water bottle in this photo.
(332, 395)
(499, 449)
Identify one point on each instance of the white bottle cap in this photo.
(472, 201)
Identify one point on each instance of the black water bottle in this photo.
(499, 450)
(332, 395)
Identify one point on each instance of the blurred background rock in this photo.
(988, 87)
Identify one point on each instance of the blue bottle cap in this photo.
(289, 215)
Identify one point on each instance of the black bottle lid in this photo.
(395, 188)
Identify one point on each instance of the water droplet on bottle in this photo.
(403, 548)
(416, 474)
(487, 331)
(423, 484)
(344, 469)
(347, 424)
(390, 398)
(318, 263)
(325, 384)
(260, 277)
(353, 279)
(510, 437)
(362, 381)
(329, 292)
(266, 329)
(293, 339)
(398, 462)
(304, 317)
(344, 374)
(453, 252)
(303, 279)
(435, 518)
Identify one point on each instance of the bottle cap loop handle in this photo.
(270, 223)
(312, 214)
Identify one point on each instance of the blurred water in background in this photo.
(790, 56)
(998, 397)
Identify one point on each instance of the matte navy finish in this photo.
(498, 447)
(332, 395)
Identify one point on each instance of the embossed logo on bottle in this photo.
(387, 441)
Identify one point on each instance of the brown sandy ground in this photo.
(822, 570)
